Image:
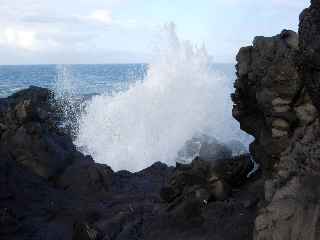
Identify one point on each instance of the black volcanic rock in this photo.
(86, 179)
(277, 102)
(268, 84)
(49, 190)
(309, 43)
(32, 209)
(210, 193)
(207, 180)
(202, 203)
(29, 132)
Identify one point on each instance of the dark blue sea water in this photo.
(80, 79)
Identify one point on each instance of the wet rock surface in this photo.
(208, 148)
(49, 190)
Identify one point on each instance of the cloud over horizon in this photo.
(97, 31)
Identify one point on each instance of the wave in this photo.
(179, 98)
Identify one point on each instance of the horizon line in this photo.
(55, 64)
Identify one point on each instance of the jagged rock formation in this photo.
(309, 44)
(210, 195)
(29, 133)
(207, 180)
(267, 86)
(49, 190)
(276, 101)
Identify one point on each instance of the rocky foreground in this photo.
(49, 190)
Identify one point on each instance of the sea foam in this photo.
(179, 98)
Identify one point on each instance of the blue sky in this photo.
(122, 31)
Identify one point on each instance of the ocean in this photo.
(82, 79)
(133, 115)
(76, 79)
(138, 114)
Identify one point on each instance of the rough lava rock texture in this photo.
(309, 43)
(267, 86)
(49, 190)
(213, 199)
(277, 101)
(29, 132)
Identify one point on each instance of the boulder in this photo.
(207, 180)
(216, 195)
(205, 147)
(86, 179)
(29, 132)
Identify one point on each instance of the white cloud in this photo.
(46, 28)
(102, 16)
(58, 28)
(17, 38)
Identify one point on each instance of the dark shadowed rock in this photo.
(87, 206)
(86, 179)
(268, 84)
(83, 231)
(309, 43)
(49, 190)
(203, 201)
(30, 207)
(29, 132)
(277, 101)
(205, 181)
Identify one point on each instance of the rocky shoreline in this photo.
(50, 190)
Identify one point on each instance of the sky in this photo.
(126, 31)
